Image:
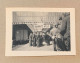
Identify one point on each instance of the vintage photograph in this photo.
(41, 31)
(47, 31)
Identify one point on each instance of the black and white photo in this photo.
(40, 31)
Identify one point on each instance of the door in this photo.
(21, 35)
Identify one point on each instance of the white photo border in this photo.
(8, 48)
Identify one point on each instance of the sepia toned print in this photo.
(42, 32)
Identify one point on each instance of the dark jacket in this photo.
(65, 26)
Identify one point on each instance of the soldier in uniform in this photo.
(47, 38)
(65, 30)
(30, 39)
(41, 39)
(34, 39)
(37, 39)
(53, 33)
(60, 44)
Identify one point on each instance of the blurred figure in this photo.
(65, 30)
(60, 43)
(47, 38)
(41, 39)
(38, 39)
(34, 39)
(53, 33)
(43, 36)
(30, 39)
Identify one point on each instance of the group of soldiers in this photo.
(59, 35)
(37, 39)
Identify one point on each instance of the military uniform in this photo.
(65, 31)
(30, 39)
(47, 39)
(54, 32)
(34, 40)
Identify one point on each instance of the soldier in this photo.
(60, 44)
(47, 38)
(30, 39)
(53, 33)
(37, 39)
(65, 30)
(34, 39)
(41, 39)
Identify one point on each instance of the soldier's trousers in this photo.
(67, 43)
(61, 44)
(55, 44)
(34, 43)
(30, 43)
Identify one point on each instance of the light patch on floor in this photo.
(26, 47)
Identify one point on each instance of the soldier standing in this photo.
(47, 38)
(30, 39)
(65, 30)
(53, 33)
(34, 39)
